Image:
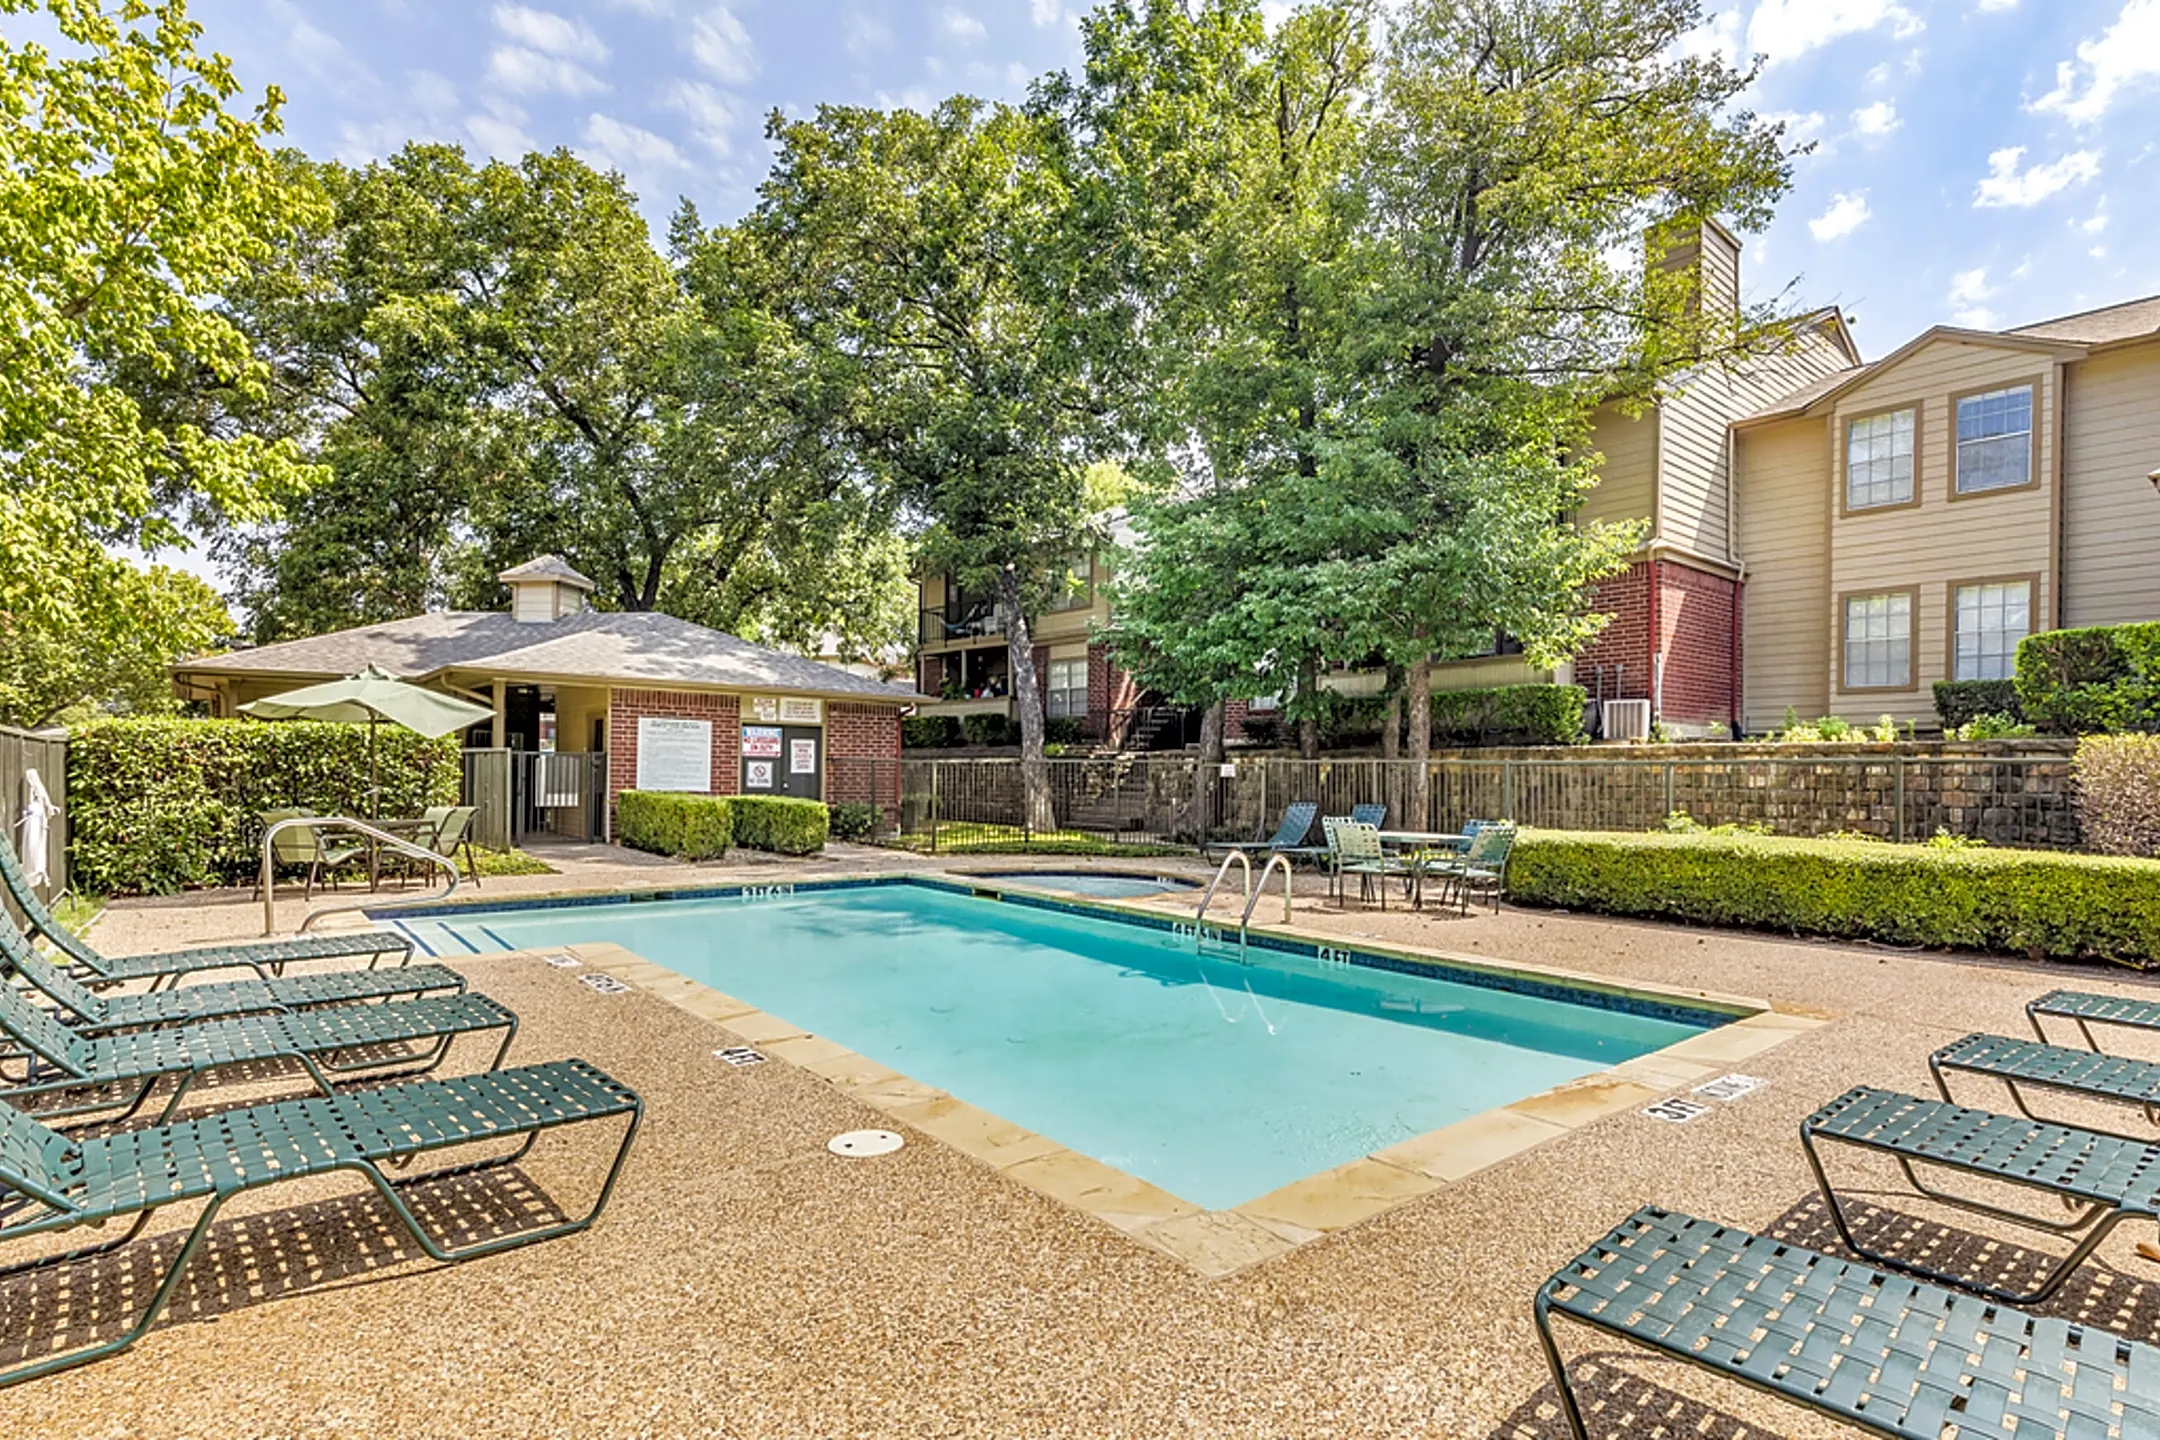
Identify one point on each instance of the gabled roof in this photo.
(547, 567)
(617, 648)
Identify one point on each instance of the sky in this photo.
(1987, 163)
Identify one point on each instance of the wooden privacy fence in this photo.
(2004, 799)
(22, 751)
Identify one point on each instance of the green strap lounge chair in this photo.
(61, 1061)
(2100, 1180)
(266, 958)
(1289, 837)
(1886, 1355)
(1373, 815)
(2018, 1064)
(89, 1013)
(51, 1182)
(1482, 865)
(2086, 1010)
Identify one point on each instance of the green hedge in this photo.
(785, 827)
(929, 732)
(2038, 903)
(1509, 715)
(157, 806)
(2092, 681)
(1960, 702)
(694, 827)
(853, 822)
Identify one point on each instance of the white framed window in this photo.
(1879, 460)
(1994, 440)
(1989, 619)
(1878, 641)
(1068, 689)
(1075, 585)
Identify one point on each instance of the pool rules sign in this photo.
(674, 754)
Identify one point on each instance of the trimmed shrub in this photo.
(2101, 680)
(929, 732)
(1510, 715)
(853, 822)
(157, 806)
(1065, 730)
(778, 824)
(1960, 702)
(2118, 793)
(989, 730)
(2031, 902)
(693, 827)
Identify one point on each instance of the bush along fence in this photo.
(159, 806)
(2056, 907)
(2014, 795)
(702, 827)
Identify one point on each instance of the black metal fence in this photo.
(2024, 800)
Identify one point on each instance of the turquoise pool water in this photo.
(1216, 1080)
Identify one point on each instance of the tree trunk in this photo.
(1419, 719)
(1027, 705)
(1308, 725)
(1391, 786)
(1198, 810)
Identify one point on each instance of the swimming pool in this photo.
(1216, 1080)
(1102, 884)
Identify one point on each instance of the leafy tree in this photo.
(129, 196)
(931, 255)
(112, 655)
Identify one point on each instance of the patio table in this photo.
(405, 828)
(1452, 841)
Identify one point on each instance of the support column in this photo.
(499, 735)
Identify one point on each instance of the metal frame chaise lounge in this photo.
(2101, 1180)
(86, 1012)
(2085, 1010)
(1289, 836)
(267, 958)
(1891, 1356)
(54, 1060)
(2020, 1063)
(51, 1182)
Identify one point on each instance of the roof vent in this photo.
(544, 590)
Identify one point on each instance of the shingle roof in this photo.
(546, 567)
(1794, 401)
(2131, 320)
(621, 647)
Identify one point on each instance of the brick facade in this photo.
(626, 706)
(862, 757)
(1110, 690)
(1691, 617)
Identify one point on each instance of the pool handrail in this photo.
(346, 822)
(1253, 900)
(1200, 915)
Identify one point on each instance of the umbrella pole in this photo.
(374, 774)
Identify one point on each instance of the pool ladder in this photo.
(1252, 896)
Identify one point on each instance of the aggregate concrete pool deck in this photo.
(747, 1282)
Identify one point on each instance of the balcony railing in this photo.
(943, 624)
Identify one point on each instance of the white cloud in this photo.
(1968, 289)
(863, 33)
(1998, 4)
(1050, 12)
(619, 145)
(960, 25)
(2098, 252)
(545, 30)
(1847, 213)
(713, 114)
(2096, 222)
(1799, 127)
(1879, 118)
(2127, 54)
(2006, 187)
(720, 44)
(1879, 75)
(1716, 37)
(432, 94)
(1788, 29)
(527, 72)
(643, 7)
(500, 132)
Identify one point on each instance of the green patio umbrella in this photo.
(373, 695)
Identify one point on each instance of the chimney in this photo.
(1704, 251)
(543, 591)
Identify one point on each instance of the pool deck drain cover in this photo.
(860, 1144)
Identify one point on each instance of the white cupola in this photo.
(545, 590)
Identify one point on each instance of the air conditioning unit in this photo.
(1627, 719)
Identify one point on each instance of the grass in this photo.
(976, 839)
(78, 912)
(510, 862)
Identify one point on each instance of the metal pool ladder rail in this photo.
(1259, 890)
(1200, 915)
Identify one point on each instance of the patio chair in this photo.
(54, 1183)
(59, 1060)
(2099, 1180)
(453, 832)
(1373, 815)
(303, 848)
(1890, 1356)
(86, 1012)
(1289, 836)
(1355, 849)
(2016, 1064)
(266, 958)
(1482, 866)
(2086, 1010)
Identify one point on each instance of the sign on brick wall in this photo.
(674, 754)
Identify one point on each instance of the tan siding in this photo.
(1627, 480)
(2111, 517)
(1720, 274)
(1785, 534)
(1930, 544)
